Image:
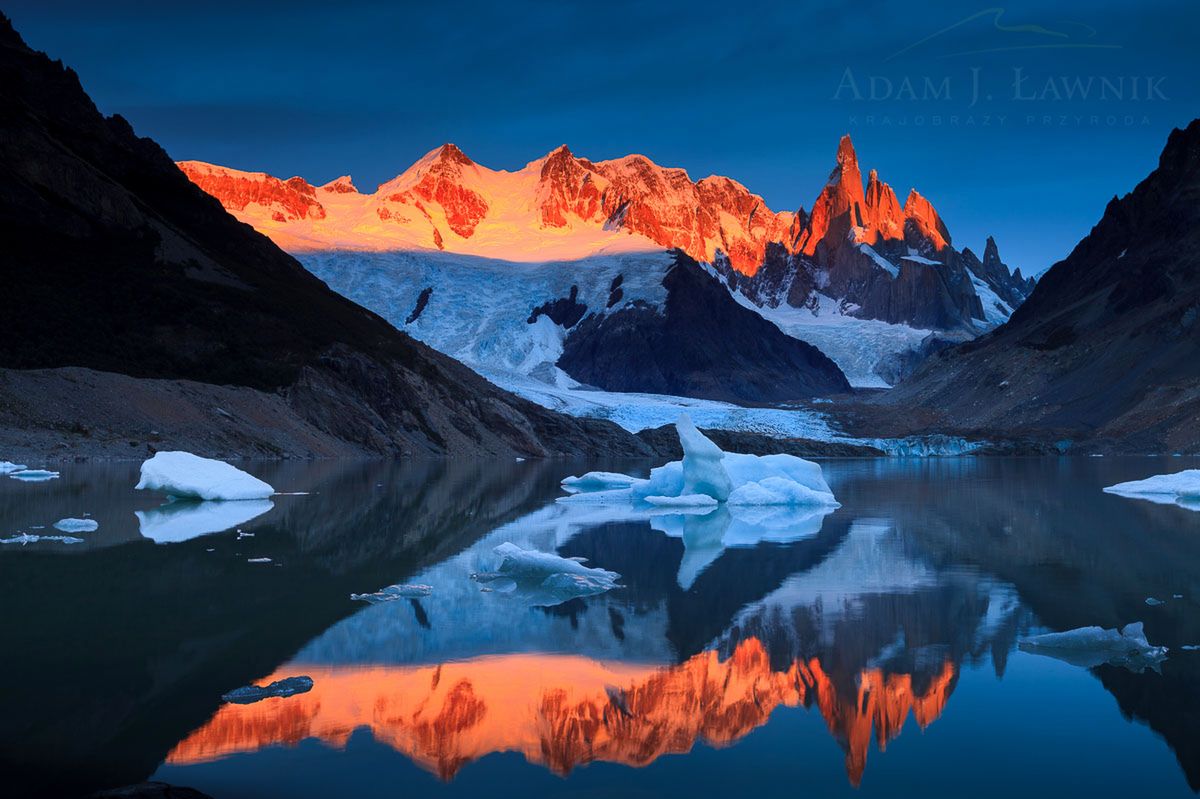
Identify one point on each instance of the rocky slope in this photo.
(116, 263)
(1105, 348)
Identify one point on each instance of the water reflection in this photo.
(921, 582)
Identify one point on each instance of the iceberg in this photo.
(706, 471)
(184, 475)
(183, 520)
(543, 578)
(289, 686)
(1180, 488)
(77, 525)
(1093, 646)
(393, 592)
(33, 475)
(6, 467)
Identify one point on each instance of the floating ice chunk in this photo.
(683, 501)
(393, 592)
(6, 467)
(543, 578)
(289, 686)
(27, 538)
(182, 474)
(1190, 647)
(33, 475)
(183, 520)
(1152, 602)
(598, 481)
(1092, 646)
(703, 472)
(77, 525)
(1180, 488)
(258, 560)
(707, 471)
(779, 491)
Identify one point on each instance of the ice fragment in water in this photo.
(182, 474)
(258, 560)
(77, 525)
(394, 592)
(544, 578)
(1180, 488)
(1092, 646)
(33, 475)
(26, 538)
(1152, 602)
(289, 686)
(7, 467)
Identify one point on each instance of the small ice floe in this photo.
(33, 475)
(1152, 602)
(183, 520)
(544, 578)
(27, 538)
(1180, 488)
(520, 460)
(188, 476)
(7, 467)
(249, 694)
(705, 470)
(77, 525)
(242, 535)
(258, 560)
(1093, 646)
(1190, 647)
(393, 592)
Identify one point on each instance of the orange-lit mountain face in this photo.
(562, 711)
(442, 199)
(859, 246)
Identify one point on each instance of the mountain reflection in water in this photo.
(920, 584)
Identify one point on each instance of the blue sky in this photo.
(758, 92)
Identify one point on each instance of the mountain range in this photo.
(873, 285)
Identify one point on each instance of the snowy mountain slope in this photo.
(873, 284)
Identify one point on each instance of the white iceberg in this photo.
(1093, 646)
(7, 467)
(707, 471)
(184, 520)
(393, 592)
(184, 475)
(33, 475)
(543, 578)
(598, 481)
(1180, 488)
(77, 525)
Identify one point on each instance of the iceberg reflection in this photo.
(183, 520)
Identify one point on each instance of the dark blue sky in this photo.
(759, 92)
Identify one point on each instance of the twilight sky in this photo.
(1074, 99)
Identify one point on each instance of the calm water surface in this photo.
(867, 652)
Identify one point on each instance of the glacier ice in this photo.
(1092, 646)
(7, 467)
(683, 501)
(77, 525)
(182, 474)
(392, 592)
(183, 520)
(1180, 488)
(33, 475)
(705, 470)
(289, 686)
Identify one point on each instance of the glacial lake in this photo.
(868, 652)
